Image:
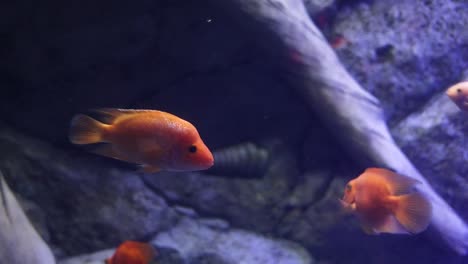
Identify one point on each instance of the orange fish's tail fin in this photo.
(414, 212)
(85, 130)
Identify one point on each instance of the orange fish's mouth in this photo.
(351, 206)
(209, 160)
(204, 162)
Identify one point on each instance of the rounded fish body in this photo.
(132, 252)
(386, 202)
(154, 139)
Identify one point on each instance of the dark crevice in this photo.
(320, 195)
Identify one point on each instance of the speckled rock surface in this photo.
(405, 51)
(205, 244)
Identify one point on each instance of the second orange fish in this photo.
(458, 93)
(154, 139)
(386, 202)
(132, 252)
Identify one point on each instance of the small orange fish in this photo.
(339, 42)
(154, 139)
(132, 252)
(458, 93)
(386, 202)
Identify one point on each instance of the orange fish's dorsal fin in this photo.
(144, 250)
(133, 252)
(397, 184)
(109, 115)
(414, 212)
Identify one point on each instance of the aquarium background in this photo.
(216, 65)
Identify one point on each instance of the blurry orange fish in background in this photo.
(458, 93)
(153, 139)
(132, 252)
(386, 202)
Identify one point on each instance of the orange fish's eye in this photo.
(192, 149)
(459, 90)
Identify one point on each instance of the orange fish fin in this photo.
(392, 226)
(414, 212)
(109, 115)
(108, 151)
(368, 229)
(85, 130)
(397, 183)
(148, 168)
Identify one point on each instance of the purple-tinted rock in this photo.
(435, 138)
(405, 51)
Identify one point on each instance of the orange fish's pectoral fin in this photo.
(413, 212)
(107, 150)
(148, 169)
(107, 115)
(368, 230)
(397, 183)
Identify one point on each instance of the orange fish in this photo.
(132, 252)
(386, 202)
(339, 42)
(458, 93)
(154, 139)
